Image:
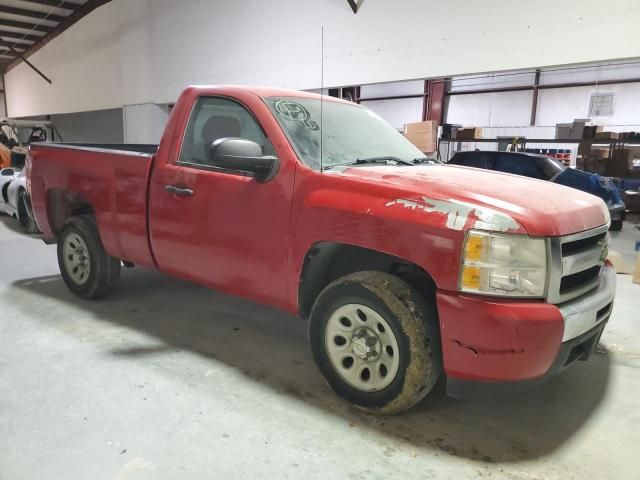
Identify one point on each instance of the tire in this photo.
(25, 215)
(86, 268)
(410, 328)
(616, 225)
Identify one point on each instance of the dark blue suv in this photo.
(547, 168)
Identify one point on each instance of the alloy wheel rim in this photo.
(77, 261)
(362, 347)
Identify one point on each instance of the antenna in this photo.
(321, 87)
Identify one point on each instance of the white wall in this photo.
(562, 105)
(503, 109)
(141, 51)
(468, 83)
(396, 111)
(144, 123)
(556, 105)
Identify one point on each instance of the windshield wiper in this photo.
(385, 160)
(431, 160)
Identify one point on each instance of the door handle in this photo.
(181, 192)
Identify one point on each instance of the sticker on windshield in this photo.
(295, 112)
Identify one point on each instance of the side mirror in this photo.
(244, 155)
(8, 172)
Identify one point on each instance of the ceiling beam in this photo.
(31, 14)
(24, 25)
(56, 3)
(5, 48)
(78, 14)
(16, 36)
(21, 56)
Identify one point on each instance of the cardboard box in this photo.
(449, 130)
(577, 128)
(620, 164)
(563, 130)
(423, 135)
(600, 153)
(469, 133)
(591, 131)
(585, 146)
(596, 165)
(606, 135)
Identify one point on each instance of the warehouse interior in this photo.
(206, 206)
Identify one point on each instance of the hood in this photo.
(496, 201)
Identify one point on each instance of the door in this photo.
(216, 227)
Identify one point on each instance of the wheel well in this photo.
(328, 261)
(5, 192)
(62, 205)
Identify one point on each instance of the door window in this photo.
(213, 118)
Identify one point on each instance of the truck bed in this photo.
(113, 178)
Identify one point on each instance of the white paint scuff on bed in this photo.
(459, 212)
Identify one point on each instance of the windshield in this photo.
(551, 167)
(349, 133)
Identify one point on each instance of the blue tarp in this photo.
(590, 183)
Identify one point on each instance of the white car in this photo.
(14, 200)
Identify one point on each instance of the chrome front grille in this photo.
(576, 263)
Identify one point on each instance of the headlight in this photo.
(507, 265)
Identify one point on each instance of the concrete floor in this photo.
(168, 380)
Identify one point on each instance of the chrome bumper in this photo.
(585, 312)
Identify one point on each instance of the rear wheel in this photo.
(25, 214)
(86, 268)
(376, 342)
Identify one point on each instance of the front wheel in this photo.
(87, 269)
(376, 341)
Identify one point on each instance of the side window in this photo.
(518, 165)
(213, 118)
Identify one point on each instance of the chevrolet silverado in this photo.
(406, 269)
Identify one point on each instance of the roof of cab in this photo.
(265, 92)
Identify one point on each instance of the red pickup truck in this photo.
(406, 269)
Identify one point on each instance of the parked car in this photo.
(546, 168)
(7, 175)
(14, 200)
(406, 269)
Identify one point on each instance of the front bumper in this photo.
(515, 344)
